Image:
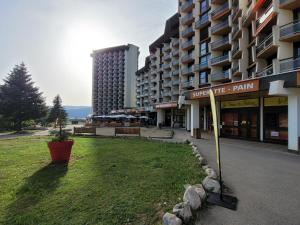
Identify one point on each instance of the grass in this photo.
(108, 181)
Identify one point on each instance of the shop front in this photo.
(276, 119)
(169, 115)
(240, 119)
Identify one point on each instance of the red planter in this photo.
(60, 151)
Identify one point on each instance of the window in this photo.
(297, 50)
(203, 6)
(203, 48)
(202, 78)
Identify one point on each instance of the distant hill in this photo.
(78, 112)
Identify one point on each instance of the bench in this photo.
(128, 130)
(84, 130)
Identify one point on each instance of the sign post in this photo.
(219, 199)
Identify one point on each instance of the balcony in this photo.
(187, 71)
(175, 82)
(153, 57)
(268, 71)
(220, 60)
(167, 93)
(175, 43)
(188, 19)
(221, 76)
(221, 45)
(217, 1)
(266, 47)
(221, 28)
(167, 57)
(237, 30)
(187, 84)
(236, 51)
(175, 53)
(188, 32)
(167, 75)
(166, 66)
(289, 4)
(290, 32)
(265, 17)
(220, 12)
(290, 64)
(187, 6)
(236, 70)
(236, 13)
(175, 73)
(167, 47)
(167, 84)
(249, 16)
(175, 92)
(188, 58)
(202, 22)
(203, 65)
(175, 62)
(188, 45)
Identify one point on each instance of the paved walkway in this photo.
(264, 177)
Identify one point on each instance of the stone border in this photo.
(194, 196)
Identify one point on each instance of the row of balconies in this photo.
(187, 6)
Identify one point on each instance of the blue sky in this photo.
(54, 38)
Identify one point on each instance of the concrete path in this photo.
(264, 177)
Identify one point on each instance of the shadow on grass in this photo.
(38, 186)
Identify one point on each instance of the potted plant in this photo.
(60, 146)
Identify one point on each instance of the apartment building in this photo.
(247, 52)
(114, 83)
(162, 73)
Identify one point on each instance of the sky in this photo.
(54, 38)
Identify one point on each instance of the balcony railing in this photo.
(187, 58)
(168, 84)
(175, 92)
(186, 6)
(289, 4)
(219, 43)
(289, 30)
(166, 48)
(266, 71)
(290, 64)
(175, 82)
(166, 66)
(202, 20)
(187, 84)
(186, 71)
(175, 62)
(175, 53)
(264, 16)
(264, 44)
(219, 59)
(188, 18)
(175, 43)
(220, 9)
(187, 44)
(203, 63)
(167, 75)
(220, 76)
(175, 73)
(187, 31)
(166, 57)
(219, 26)
(167, 94)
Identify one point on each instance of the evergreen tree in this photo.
(19, 99)
(57, 113)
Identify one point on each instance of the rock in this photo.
(171, 219)
(198, 155)
(190, 143)
(211, 173)
(202, 160)
(211, 185)
(205, 167)
(192, 198)
(183, 211)
(200, 191)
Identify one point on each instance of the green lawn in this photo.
(108, 181)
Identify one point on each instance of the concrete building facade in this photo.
(248, 53)
(114, 83)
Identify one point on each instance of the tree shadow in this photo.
(38, 186)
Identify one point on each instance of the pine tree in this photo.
(19, 99)
(57, 113)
